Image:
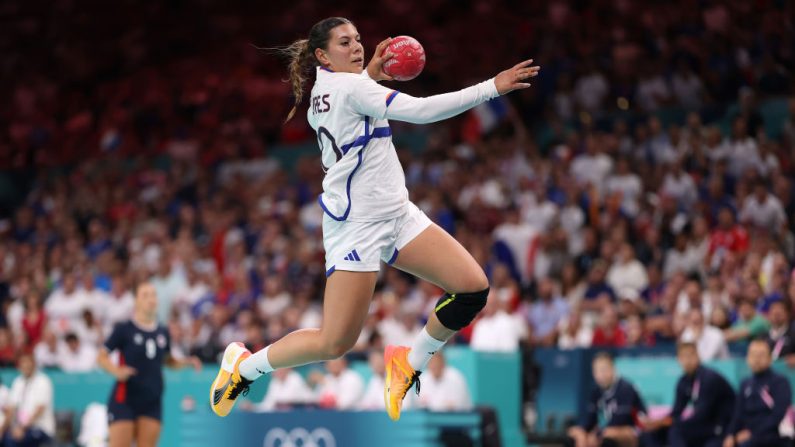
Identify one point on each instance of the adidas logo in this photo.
(353, 256)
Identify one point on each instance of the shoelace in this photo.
(240, 388)
(415, 379)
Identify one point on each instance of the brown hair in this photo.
(302, 56)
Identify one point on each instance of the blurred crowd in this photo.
(616, 229)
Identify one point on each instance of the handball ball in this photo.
(408, 60)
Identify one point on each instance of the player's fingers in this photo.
(381, 46)
(523, 64)
(388, 55)
(521, 85)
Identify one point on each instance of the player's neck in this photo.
(144, 322)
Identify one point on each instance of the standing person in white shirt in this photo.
(763, 210)
(445, 388)
(75, 355)
(30, 420)
(368, 216)
(120, 304)
(286, 388)
(340, 388)
(497, 330)
(709, 340)
(65, 305)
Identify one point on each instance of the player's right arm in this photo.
(371, 99)
(115, 341)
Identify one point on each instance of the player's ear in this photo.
(322, 57)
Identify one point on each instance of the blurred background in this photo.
(641, 189)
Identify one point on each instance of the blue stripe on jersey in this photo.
(330, 271)
(378, 132)
(327, 69)
(391, 97)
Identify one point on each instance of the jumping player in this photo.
(134, 411)
(367, 214)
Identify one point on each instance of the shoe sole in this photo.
(223, 376)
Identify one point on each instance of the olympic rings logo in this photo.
(299, 437)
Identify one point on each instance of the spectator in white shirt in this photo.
(709, 340)
(65, 305)
(687, 87)
(444, 387)
(75, 355)
(341, 388)
(627, 272)
(743, 152)
(591, 89)
(653, 91)
(679, 185)
(46, 351)
(628, 184)
(30, 420)
(682, 257)
(497, 330)
(119, 304)
(592, 167)
(763, 210)
(286, 388)
(274, 299)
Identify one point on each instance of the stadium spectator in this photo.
(708, 339)
(444, 387)
(285, 389)
(781, 336)
(545, 313)
(76, 355)
(30, 420)
(762, 402)
(497, 330)
(340, 388)
(749, 324)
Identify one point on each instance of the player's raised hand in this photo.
(514, 77)
(376, 66)
(123, 373)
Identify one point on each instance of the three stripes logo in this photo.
(353, 256)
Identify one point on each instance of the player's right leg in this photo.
(345, 305)
(121, 433)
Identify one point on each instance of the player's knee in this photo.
(334, 349)
(456, 310)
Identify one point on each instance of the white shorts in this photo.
(361, 246)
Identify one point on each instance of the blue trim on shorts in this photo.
(331, 270)
(378, 132)
(393, 258)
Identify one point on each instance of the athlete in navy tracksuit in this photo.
(762, 403)
(614, 409)
(704, 404)
(134, 407)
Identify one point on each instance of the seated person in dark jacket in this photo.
(781, 336)
(613, 410)
(703, 406)
(762, 403)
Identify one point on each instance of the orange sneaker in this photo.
(400, 377)
(229, 384)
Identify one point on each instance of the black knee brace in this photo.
(456, 310)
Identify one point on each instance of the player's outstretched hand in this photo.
(376, 66)
(514, 77)
(124, 372)
(195, 362)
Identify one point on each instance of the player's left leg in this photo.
(621, 436)
(148, 431)
(437, 257)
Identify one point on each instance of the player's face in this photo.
(688, 359)
(758, 356)
(345, 51)
(146, 299)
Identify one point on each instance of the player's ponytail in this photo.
(300, 60)
(301, 54)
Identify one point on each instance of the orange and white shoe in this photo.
(229, 384)
(400, 377)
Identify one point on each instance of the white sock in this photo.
(256, 365)
(423, 349)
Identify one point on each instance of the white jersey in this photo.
(364, 179)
